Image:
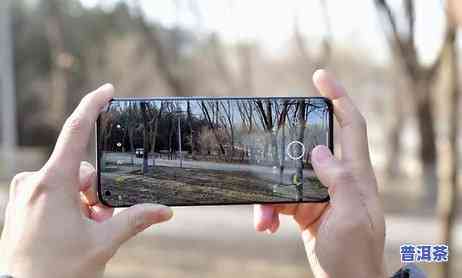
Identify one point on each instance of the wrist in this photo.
(41, 269)
(345, 267)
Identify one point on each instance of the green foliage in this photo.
(119, 180)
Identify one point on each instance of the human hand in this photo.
(54, 224)
(345, 237)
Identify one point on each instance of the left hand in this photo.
(55, 226)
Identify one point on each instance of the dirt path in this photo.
(169, 185)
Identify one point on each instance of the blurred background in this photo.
(399, 59)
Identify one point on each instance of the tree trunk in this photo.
(281, 124)
(7, 90)
(283, 150)
(248, 87)
(393, 167)
(426, 131)
(155, 131)
(301, 138)
(448, 199)
(253, 157)
(191, 133)
(170, 137)
(265, 149)
(61, 62)
(163, 58)
(132, 145)
(145, 138)
(212, 127)
(421, 79)
(145, 150)
(274, 147)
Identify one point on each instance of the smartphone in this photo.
(211, 150)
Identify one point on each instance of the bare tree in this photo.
(448, 198)
(227, 121)
(7, 89)
(245, 109)
(106, 126)
(212, 125)
(266, 109)
(131, 128)
(301, 138)
(154, 124)
(310, 63)
(144, 113)
(192, 142)
(421, 78)
(393, 167)
(223, 66)
(281, 126)
(61, 62)
(164, 58)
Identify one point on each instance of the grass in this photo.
(119, 181)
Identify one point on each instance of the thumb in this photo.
(133, 220)
(333, 174)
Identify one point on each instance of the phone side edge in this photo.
(99, 193)
(331, 131)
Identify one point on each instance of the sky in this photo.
(355, 24)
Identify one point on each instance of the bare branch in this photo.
(410, 12)
(327, 40)
(449, 38)
(402, 46)
(301, 45)
(161, 55)
(326, 44)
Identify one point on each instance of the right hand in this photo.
(345, 237)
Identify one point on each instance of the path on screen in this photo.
(203, 181)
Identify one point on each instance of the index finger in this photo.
(72, 141)
(354, 146)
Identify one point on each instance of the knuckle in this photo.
(86, 99)
(42, 182)
(136, 221)
(18, 180)
(343, 176)
(88, 166)
(29, 185)
(76, 123)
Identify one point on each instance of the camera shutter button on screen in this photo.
(295, 153)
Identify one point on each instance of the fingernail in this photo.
(86, 168)
(107, 86)
(87, 173)
(320, 154)
(317, 74)
(165, 213)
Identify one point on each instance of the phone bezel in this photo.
(98, 151)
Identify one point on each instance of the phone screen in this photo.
(211, 151)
